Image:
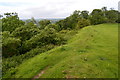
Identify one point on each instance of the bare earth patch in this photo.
(42, 72)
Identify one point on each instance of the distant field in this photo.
(92, 53)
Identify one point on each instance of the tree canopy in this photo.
(11, 21)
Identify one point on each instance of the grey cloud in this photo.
(60, 8)
(49, 11)
(52, 9)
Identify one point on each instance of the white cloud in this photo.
(52, 8)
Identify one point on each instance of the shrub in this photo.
(10, 46)
(54, 26)
(46, 37)
(11, 22)
(82, 23)
(44, 23)
(97, 17)
(25, 32)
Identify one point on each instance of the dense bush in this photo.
(25, 32)
(46, 37)
(10, 45)
(11, 21)
(70, 22)
(54, 26)
(44, 23)
(97, 17)
(31, 22)
(84, 14)
(76, 20)
(112, 16)
(82, 23)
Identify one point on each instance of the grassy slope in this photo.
(93, 52)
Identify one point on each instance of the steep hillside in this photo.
(91, 53)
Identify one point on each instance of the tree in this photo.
(71, 21)
(97, 12)
(44, 23)
(112, 16)
(25, 33)
(11, 21)
(54, 26)
(33, 20)
(46, 37)
(74, 18)
(84, 14)
(104, 10)
(10, 44)
(82, 23)
(118, 20)
(111, 8)
(97, 17)
(63, 24)
(29, 22)
(1, 16)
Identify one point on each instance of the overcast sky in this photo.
(52, 8)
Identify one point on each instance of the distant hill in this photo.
(53, 20)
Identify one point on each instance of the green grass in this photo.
(92, 53)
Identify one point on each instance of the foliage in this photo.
(97, 17)
(10, 45)
(31, 22)
(1, 16)
(84, 14)
(11, 21)
(46, 37)
(68, 34)
(25, 32)
(118, 20)
(44, 23)
(112, 16)
(6, 34)
(82, 23)
(70, 22)
(103, 15)
(54, 26)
